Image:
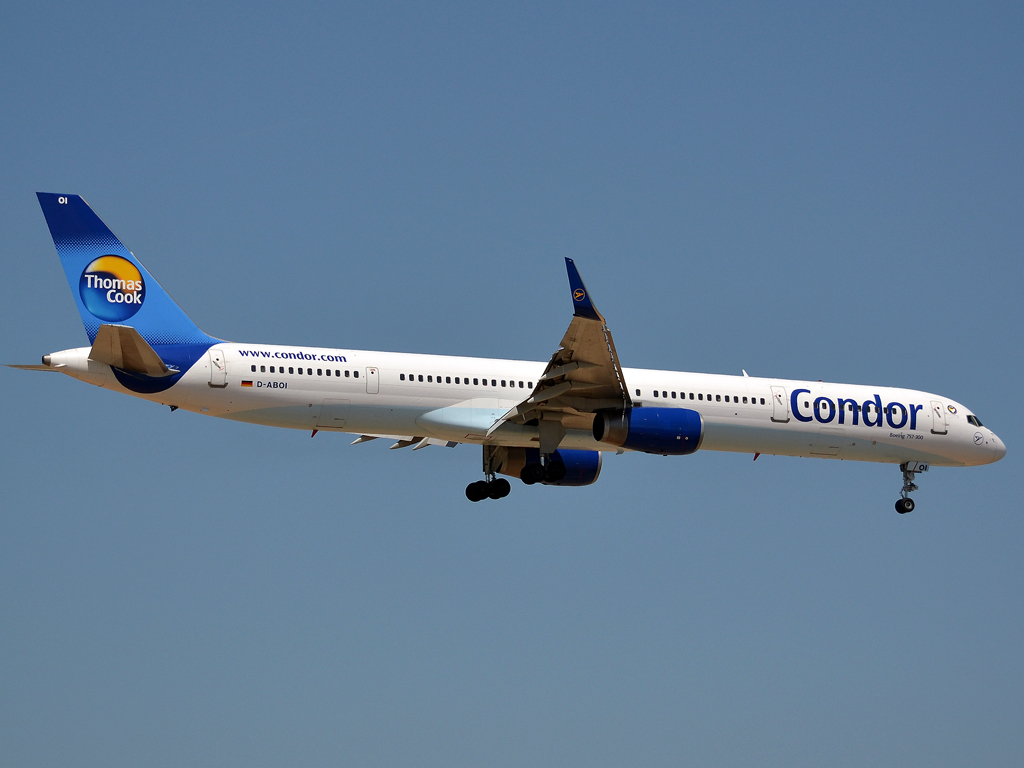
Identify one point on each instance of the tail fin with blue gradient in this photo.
(109, 284)
(111, 287)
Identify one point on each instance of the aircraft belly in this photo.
(827, 442)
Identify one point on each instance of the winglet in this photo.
(582, 304)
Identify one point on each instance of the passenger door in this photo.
(939, 425)
(218, 369)
(372, 381)
(780, 405)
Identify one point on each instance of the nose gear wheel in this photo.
(910, 469)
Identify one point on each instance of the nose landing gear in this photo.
(906, 504)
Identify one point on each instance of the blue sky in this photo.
(800, 191)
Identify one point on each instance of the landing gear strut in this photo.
(906, 504)
(492, 487)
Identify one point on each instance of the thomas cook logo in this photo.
(579, 294)
(951, 409)
(112, 288)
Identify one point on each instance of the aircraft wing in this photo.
(583, 376)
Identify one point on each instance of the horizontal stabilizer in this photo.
(121, 346)
(34, 368)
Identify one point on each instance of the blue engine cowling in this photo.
(581, 467)
(664, 431)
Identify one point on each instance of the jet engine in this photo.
(563, 467)
(663, 431)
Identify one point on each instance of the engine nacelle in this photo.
(664, 431)
(580, 467)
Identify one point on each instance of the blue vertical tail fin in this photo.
(109, 284)
(111, 287)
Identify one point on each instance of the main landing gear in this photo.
(549, 472)
(488, 489)
(906, 504)
(492, 486)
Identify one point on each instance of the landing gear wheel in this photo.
(532, 473)
(477, 491)
(905, 505)
(554, 472)
(499, 489)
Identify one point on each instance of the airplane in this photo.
(543, 423)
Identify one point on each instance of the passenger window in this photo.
(309, 371)
(806, 404)
(727, 398)
(762, 401)
(456, 379)
(530, 385)
(520, 385)
(664, 393)
(503, 382)
(337, 373)
(355, 374)
(271, 369)
(700, 396)
(673, 395)
(476, 382)
(291, 370)
(346, 374)
(718, 398)
(254, 369)
(401, 377)
(430, 379)
(638, 393)
(421, 377)
(448, 380)
(263, 369)
(328, 371)
(319, 371)
(300, 371)
(655, 393)
(744, 401)
(691, 395)
(493, 383)
(485, 382)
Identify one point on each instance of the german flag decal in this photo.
(246, 383)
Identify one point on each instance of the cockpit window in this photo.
(974, 420)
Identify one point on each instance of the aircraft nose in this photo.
(998, 447)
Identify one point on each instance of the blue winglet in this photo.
(581, 302)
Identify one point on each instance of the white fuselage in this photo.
(410, 395)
